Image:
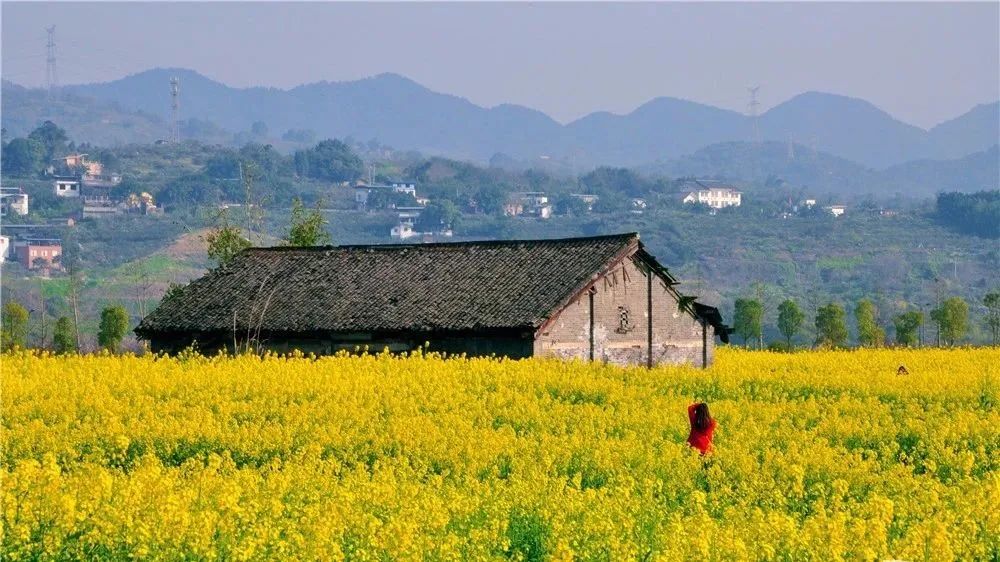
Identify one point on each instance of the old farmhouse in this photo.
(601, 298)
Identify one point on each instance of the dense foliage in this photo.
(831, 326)
(330, 160)
(13, 326)
(308, 228)
(114, 324)
(818, 456)
(973, 213)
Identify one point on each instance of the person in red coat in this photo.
(702, 427)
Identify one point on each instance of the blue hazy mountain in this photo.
(400, 112)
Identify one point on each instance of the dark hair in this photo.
(701, 418)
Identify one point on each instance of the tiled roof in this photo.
(421, 287)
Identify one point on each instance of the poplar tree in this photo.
(790, 319)
(870, 334)
(831, 328)
(13, 326)
(748, 319)
(952, 319)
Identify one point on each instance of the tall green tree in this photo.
(870, 334)
(831, 326)
(952, 319)
(64, 336)
(330, 160)
(225, 240)
(908, 327)
(748, 319)
(13, 326)
(992, 302)
(438, 215)
(790, 319)
(51, 139)
(490, 199)
(224, 243)
(308, 227)
(114, 324)
(22, 157)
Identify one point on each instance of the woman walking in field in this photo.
(702, 427)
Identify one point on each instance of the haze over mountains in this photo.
(403, 114)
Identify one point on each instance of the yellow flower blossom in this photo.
(823, 455)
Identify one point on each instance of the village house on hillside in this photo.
(714, 194)
(601, 298)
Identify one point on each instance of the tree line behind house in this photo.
(950, 320)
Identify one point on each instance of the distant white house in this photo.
(405, 187)
(716, 196)
(531, 203)
(809, 203)
(836, 210)
(66, 187)
(402, 231)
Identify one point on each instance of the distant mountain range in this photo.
(829, 142)
(401, 113)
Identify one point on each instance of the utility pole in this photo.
(51, 78)
(175, 108)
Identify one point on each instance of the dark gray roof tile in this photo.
(424, 287)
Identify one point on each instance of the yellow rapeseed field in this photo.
(819, 456)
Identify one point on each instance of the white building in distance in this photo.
(531, 203)
(716, 197)
(836, 210)
(67, 187)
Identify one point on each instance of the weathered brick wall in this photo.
(621, 323)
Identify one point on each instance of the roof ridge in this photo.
(429, 245)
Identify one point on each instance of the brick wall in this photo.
(621, 323)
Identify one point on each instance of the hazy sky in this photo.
(921, 62)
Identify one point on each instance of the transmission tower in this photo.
(51, 78)
(175, 109)
(754, 106)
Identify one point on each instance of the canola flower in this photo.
(819, 456)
